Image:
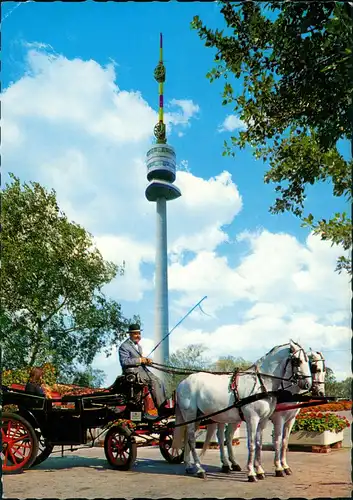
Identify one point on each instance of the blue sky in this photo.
(67, 130)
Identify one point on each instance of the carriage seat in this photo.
(124, 381)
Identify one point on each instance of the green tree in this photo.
(194, 357)
(89, 377)
(335, 388)
(52, 305)
(345, 388)
(294, 63)
(190, 357)
(230, 363)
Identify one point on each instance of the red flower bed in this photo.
(332, 407)
(316, 421)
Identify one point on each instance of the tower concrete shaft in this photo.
(161, 300)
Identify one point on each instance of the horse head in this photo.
(299, 367)
(288, 364)
(318, 370)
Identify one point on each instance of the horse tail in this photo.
(210, 431)
(180, 431)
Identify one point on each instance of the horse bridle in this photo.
(296, 362)
(293, 379)
(315, 369)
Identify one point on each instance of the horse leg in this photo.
(260, 473)
(200, 472)
(286, 433)
(220, 439)
(278, 433)
(251, 424)
(189, 466)
(229, 441)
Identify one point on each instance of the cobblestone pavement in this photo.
(86, 474)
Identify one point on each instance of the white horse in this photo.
(283, 423)
(284, 367)
(284, 420)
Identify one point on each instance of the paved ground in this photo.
(86, 474)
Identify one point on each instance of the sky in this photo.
(79, 103)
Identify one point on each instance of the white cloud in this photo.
(183, 165)
(231, 123)
(263, 309)
(253, 339)
(267, 277)
(188, 110)
(69, 126)
(119, 249)
(208, 274)
(85, 137)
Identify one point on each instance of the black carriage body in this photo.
(68, 423)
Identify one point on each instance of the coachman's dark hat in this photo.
(134, 328)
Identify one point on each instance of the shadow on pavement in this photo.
(69, 462)
(148, 466)
(142, 466)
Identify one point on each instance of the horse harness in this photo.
(234, 388)
(234, 382)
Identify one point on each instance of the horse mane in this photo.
(274, 349)
(254, 365)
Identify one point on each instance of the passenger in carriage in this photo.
(35, 382)
(132, 361)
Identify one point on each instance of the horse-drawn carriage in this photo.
(36, 424)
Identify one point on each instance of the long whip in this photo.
(182, 319)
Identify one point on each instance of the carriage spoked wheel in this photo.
(120, 449)
(19, 443)
(44, 450)
(165, 445)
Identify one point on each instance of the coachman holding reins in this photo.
(132, 361)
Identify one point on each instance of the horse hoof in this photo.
(260, 476)
(225, 469)
(288, 471)
(280, 473)
(236, 467)
(201, 474)
(252, 479)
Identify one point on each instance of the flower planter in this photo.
(307, 438)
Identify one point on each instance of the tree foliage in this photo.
(194, 357)
(190, 357)
(294, 61)
(52, 305)
(89, 377)
(230, 363)
(335, 388)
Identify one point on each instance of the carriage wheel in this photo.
(165, 446)
(44, 450)
(19, 443)
(120, 449)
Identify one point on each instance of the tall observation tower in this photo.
(161, 167)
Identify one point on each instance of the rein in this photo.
(184, 371)
(189, 371)
(261, 395)
(237, 404)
